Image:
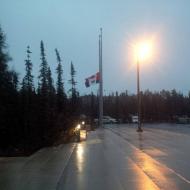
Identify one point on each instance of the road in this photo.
(114, 158)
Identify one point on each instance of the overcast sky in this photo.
(72, 26)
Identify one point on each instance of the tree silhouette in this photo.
(43, 99)
(43, 71)
(73, 82)
(27, 95)
(8, 96)
(27, 83)
(74, 100)
(61, 96)
(50, 86)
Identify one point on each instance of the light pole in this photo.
(143, 51)
(139, 129)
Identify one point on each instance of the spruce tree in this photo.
(14, 79)
(51, 107)
(8, 96)
(4, 56)
(5, 75)
(27, 83)
(73, 82)
(61, 96)
(27, 97)
(43, 97)
(50, 86)
(74, 97)
(43, 71)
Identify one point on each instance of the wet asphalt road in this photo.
(119, 158)
(114, 158)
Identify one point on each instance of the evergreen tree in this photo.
(73, 82)
(14, 79)
(28, 102)
(74, 98)
(27, 83)
(51, 91)
(4, 57)
(51, 107)
(43, 111)
(8, 96)
(50, 86)
(43, 71)
(60, 84)
(5, 75)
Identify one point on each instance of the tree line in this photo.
(158, 106)
(33, 117)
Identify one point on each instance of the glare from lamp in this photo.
(144, 50)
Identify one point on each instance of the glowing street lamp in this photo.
(143, 51)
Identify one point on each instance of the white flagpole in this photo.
(101, 81)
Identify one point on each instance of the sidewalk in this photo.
(41, 170)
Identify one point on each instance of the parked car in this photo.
(134, 119)
(106, 120)
(109, 120)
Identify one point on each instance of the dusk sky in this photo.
(72, 26)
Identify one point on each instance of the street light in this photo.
(143, 51)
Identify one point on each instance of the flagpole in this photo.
(101, 81)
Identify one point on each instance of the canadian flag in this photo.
(92, 80)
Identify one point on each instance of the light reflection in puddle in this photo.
(80, 157)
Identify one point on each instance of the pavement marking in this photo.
(148, 183)
(161, 165)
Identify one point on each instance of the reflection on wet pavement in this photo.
(140, 138)
(158, 173)
(147, 157)
(80, 157)
(114, 159)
